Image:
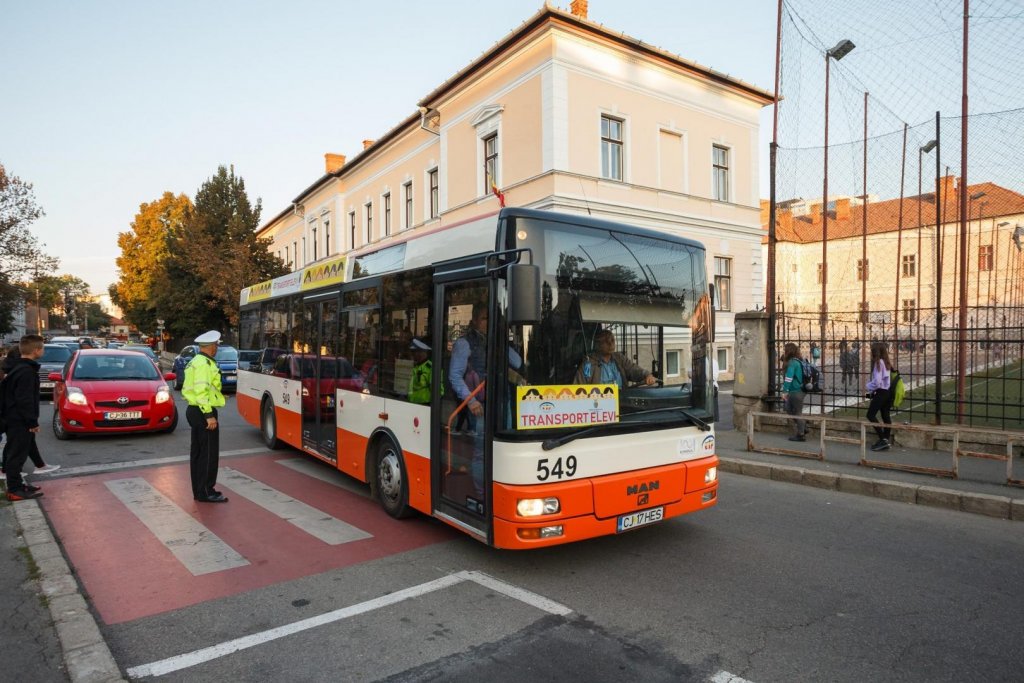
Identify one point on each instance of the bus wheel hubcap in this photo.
(390, 475)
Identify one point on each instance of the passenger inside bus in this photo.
(606, 366)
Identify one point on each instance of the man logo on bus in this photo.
(643, 487)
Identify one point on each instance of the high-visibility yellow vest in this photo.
(202, 384)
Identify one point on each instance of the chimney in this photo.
(579, 8)
(948, 190)
(843, 209)
(816, 213)
(367, 144)
(786, 222)
(333, 162)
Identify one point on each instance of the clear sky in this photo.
(108, 104)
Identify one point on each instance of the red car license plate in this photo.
(123, 415)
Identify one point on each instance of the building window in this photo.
(723, 283)
(864, 309)
(821, 273)
(723, 360)
(295, 254)
(369, 222)
(910, 265)
(434, 194)
(327, 237)
(910, 310)
(490, 162)
(611, 148)
(986, 258)
(305, 252)
(862, 270)
(720, 173)
(312, 232)
(352, 229)
(407, 200)
(671, 363)
(287, 258)
(387, 213)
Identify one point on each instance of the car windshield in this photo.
(55, 354)
(114, 367)
(249, 356)
(227, 354)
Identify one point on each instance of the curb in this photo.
(1000, 507)
(86, 656)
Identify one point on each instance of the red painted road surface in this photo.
(129, 574)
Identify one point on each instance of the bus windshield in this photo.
(618, 309)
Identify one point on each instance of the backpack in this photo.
(899, 388)
(812, 378)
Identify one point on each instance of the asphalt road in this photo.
(777, 583)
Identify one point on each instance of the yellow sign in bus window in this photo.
(571, 405)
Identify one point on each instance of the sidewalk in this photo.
(979, 489)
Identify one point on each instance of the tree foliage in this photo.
(144, 252)
(20, 252)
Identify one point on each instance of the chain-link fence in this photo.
(899, 210)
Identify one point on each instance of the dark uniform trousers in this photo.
(205, 452)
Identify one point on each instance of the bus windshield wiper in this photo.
(550, 444)
(696, 421)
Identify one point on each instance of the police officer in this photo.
(202, 391)
(419, 382)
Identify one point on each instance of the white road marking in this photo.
(195, 546)
(190, 659)
(316, 469)
(317, 523)
(114, 466)
(726, 677)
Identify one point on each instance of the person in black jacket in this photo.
(10, 362)
(21, 410)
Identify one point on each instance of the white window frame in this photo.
(430, 205)
(623, 143)
(715, 278)
(487, 123)
(368, 220)
(729, 190)
(408, 204)
(679, 358)
(387, 223)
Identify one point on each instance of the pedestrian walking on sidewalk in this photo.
(9, 363)
(880, 392)
(793, 390)
(201, 389)
(21, 412)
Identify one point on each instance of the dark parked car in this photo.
(227, 361)
(142, 348)
(55, 356)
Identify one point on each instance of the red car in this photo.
(105, 391)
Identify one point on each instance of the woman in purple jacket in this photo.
(880, 393)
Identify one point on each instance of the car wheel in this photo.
(58, 427)
(268, 426)
(390, 481)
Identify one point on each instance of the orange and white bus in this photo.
(509, 305)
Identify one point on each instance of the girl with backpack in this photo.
(880, 392)
(793, 390)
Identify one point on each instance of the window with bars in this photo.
(434, 193)
(909, 313)
(611, 147)
(407, 200)
(723, 282)
(862, 270)
(720, 173)
(910, 265)
(986, 257)
(490, 162)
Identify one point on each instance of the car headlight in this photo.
(534, 507)
(77, 396)
(163, 395)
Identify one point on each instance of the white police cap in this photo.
(211, 337)
(418, 345)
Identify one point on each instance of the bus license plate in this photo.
(635, 519)
(123, 415)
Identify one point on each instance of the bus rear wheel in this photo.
(390, 481)
(268, 426)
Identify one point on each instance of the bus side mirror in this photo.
(523, 282)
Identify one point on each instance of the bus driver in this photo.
(606, 366)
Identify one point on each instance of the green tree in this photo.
(21, 255)
(214, 257)
(145, 250)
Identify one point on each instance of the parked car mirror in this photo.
(55, 377)
(170, 376)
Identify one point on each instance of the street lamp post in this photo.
(842, 48)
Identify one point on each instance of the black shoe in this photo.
(215, 497)
(880, 445)
(797, 438)
(31, 488)
(23, 494)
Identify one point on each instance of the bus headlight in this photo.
(711, 475)
(534, 507)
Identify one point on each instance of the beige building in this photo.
(897, 282)
(567, 115)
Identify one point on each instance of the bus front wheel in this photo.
(390, 480)
(268, 426)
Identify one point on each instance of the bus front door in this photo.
(461, 471)
(318, 368)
